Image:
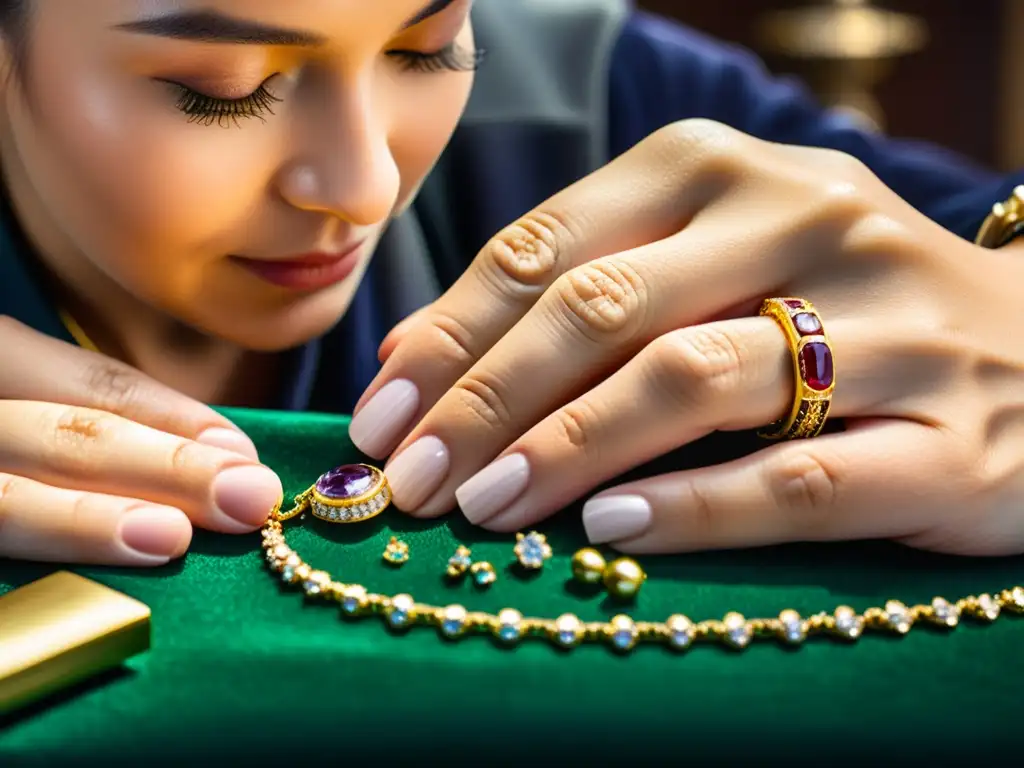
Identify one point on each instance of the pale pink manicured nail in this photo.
(246, 494)
(229, 440)
(378, 426)
(615, 518)
(493, 488)
(417, 472)
(156, 531)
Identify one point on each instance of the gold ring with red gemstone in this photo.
(813, 368)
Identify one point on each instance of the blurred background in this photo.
(948, 71)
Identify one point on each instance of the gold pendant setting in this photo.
(350, 493)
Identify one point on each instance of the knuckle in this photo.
(484, 400)
(602, 298)
(702, 521)
(804, 487)
(880, 238)
(696, 364)
(74, 436)
(113, 386)
(454, 338)
(528, 252)
(840, 163)
(577, 424)
(712, 148)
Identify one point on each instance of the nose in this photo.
(343, 165)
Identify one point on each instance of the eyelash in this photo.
(207, 110)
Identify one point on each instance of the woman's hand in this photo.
(99, 464)
(618, 321)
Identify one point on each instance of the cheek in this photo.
(124, 174)
(423, 124)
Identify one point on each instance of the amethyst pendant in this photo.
(350, 494)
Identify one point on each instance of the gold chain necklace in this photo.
(622, 633)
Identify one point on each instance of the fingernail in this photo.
(493, 488)
(378, 426)
(247, 494)
(417, 472)
(229, 440)
(156, 531)
(608, 519)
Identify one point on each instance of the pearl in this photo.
(623, 578)
(588, 566)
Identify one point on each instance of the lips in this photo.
(306, 272)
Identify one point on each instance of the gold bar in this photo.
(62, 629)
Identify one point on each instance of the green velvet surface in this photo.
(243, 668)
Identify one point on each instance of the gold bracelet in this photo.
(622, 633)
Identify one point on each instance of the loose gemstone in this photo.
(623, 633)
(807, 324)
(509, 623)
(793, 628)
(989, 607)
(532, 550)
(453, 621)
(347, 481)
(484, 576)
(898, 616)
(737, 631)
(460, 560)
(848, 623)
(816, 365)
(681, 631)
(945, 612)
(400, 611)
(568, 630)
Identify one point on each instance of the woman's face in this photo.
(190, 153)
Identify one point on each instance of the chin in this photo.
(283, 328)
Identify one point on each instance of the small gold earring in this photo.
(532, 550)
(623, 578)
(483, 574)
(588, 566)
(459, 563)
(396, 552)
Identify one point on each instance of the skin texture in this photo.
(135, 211)
(138, 208)
(647, 303)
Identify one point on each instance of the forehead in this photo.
(323, 16)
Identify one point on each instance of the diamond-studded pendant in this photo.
(350, 493)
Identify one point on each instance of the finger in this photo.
(39, 522)
(41, 368)
(88, 450)
(669, 178)
(594, 318)
(864, 483)
(394, 338)
(722, 376)
(729, 375)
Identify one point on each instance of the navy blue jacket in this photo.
(654, 72)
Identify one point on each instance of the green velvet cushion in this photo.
(243, 668)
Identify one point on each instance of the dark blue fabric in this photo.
(661, 72)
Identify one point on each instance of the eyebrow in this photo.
(217, 27)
